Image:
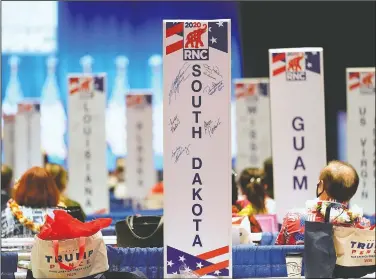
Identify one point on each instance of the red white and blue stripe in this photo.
(213, 263)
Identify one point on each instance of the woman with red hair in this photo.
(35, 195)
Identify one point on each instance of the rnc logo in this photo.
(295, 66)
(196, 44)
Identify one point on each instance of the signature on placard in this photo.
(214, 87)
(174, 123)
(211, 126)
(181, 76)
(179, 151)
(212, 72)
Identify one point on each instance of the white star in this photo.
(217, 272)
(199, 265)
(210, 29)
(187, 269)
(213, 40)
(181, 259)
(220, 23)
(175, 272)
(170, 263)
(309, 65)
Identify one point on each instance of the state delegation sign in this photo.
(141, 175)
(298, 124)
(361, 133)
(87, 142)
(252, 122)
(197, 147)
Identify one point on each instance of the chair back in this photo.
(268, 222)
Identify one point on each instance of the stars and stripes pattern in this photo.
(353, 80)
(278, 63)
(27, 107)
(99, 84)
(200, 265)
(264, 89)
(174, 37)
(243, 90)
(135, 100)
(8, 117)
(86, 84)
(77, 84)
(218, 35)
(311, 60)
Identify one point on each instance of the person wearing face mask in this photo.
(338, 183)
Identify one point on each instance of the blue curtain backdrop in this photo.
(105, 30)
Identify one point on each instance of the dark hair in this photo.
(6, 177)
(268, 176)
(45, 159)
(59, 174)
(252, 184)
(340, 180)
(119, 169)
(37, 189)
(234, 190)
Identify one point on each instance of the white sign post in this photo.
(87, 142)
(8, 139)
(197, 147)
(27, 138)
(141, 175)
(361, 133)
(298, 124)
(252, 122)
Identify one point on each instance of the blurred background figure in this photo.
(60, 176)
(251, 182)
(155, 198)
(268, 177)
(35, 196)
(120, 188)
(6, 184)
(236, 208)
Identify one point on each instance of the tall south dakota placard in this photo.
(197, 148)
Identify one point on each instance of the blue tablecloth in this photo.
(248, 261)
(117, 205)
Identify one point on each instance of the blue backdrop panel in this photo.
(105, 30)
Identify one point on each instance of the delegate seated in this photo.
(338, 183)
